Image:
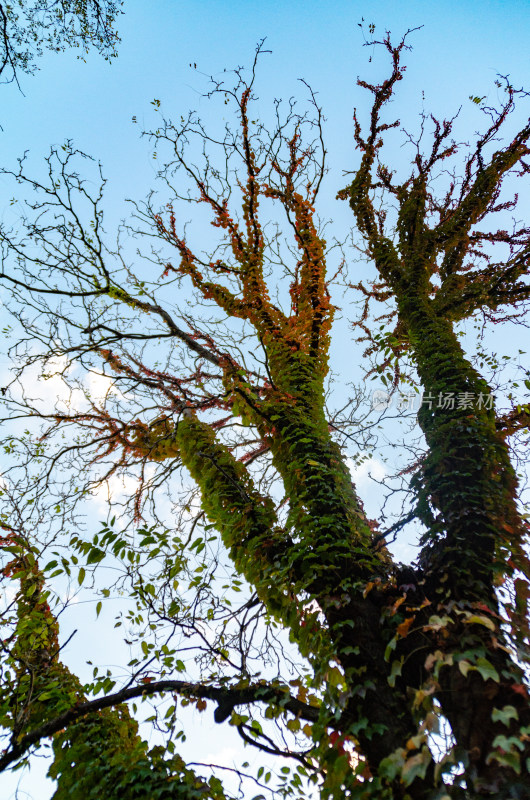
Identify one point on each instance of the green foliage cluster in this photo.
(97, 756)
(29, 27)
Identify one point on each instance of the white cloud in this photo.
(100, 386)
(47, 387)
(8, 594)
(225, 757)
(363, 473)
(113, 489)
(54, 384)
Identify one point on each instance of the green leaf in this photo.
(95, 556)
(478, 619)
(395, 672)
(464, 667)
(391, 766)
(81, 576)
(507, 759)
(504, 715)
(416, 766)
(508, 743)
(390, 646)
(487, 670)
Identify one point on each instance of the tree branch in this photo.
(223, 696)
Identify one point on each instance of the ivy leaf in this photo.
(464, 667)
(487, 670)
(390, 766)
(416, 766)
(478, 619)
(510, 759)
(403, 627)
(504, 715)
(394, 672)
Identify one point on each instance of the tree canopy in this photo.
(28, 27)
(259, 589)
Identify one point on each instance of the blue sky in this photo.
(457, 53)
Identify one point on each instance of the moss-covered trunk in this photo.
(467, 499)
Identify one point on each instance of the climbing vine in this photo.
(392, 653)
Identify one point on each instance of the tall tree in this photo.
(239, 400)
